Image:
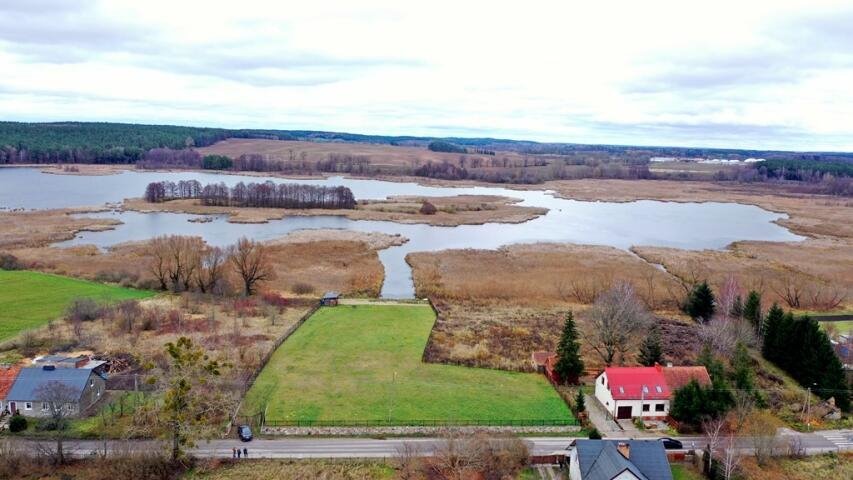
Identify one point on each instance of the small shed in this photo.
(330, 299)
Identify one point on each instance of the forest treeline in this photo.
(106, 143)
(266, 195)
(482, 159)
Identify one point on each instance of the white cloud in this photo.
(726, 73)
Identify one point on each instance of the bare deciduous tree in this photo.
(729, 456)
(59, 400)
(211, 269)
(408, 461)
(252, 263)
(614, 322)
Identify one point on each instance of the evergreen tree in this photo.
(569, 364)
(801, 348)
(742, 365)
(737, 308)
(580, 403)
(752, 310)
(772, 330)
(700, 303)
(651, 351)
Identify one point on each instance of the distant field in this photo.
(380, 155)
(31, 299)
(364, 363)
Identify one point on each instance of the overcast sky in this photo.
(745, 73)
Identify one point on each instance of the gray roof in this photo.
(601, 460)
(31, 378)
(331, 295)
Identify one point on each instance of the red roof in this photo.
(653, 383)
(7, 378)
(540, 357)
(677, 377)
(634, 383)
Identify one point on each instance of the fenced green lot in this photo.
(31, 299)
(361, 365)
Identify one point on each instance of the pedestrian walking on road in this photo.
(238, 453)
(233, 452)
(245, 452)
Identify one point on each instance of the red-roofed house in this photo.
(628, 392)
(8, 374)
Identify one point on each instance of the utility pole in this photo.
(808, 409)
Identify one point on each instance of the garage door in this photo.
(623, 412)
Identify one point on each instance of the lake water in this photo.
(622, 225)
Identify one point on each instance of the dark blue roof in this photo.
(601, 460)
(31, 378)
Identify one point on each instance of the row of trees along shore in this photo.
(267, 194)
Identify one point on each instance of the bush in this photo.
(594, 434)
(301, 288)
(274, 299)
(428, 209)
(10, 262)
(49, 425)
(83, 310)
(18, 423)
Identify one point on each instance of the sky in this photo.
(736, 74)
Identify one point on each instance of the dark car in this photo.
(671, 443)
(245, 433)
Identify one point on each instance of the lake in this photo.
(711, 225)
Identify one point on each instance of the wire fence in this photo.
(563, 422)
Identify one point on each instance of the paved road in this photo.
(838, 440)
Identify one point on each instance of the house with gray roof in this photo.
(25, 394)
(619, 460)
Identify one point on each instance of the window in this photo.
(645, 389)
(45, 406)
(28, 406)
(659, 390)
(621, 390)
(659, 407)
(645, 407)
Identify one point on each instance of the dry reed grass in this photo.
(348, 266)
(541, 274)
(42, 227)
(818, 271)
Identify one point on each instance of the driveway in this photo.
(600, 419)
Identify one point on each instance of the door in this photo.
(13, 407)
(623, 413)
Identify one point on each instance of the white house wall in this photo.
(606, 398)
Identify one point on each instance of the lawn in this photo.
(842, 327)
(684, 472)
(31, 299)
(356, 363)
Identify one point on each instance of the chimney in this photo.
(668, 364)
(657, 366)
(625, 449)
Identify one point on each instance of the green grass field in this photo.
(31, 299)
(843, 327)
(356, 363)
(684, 472)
